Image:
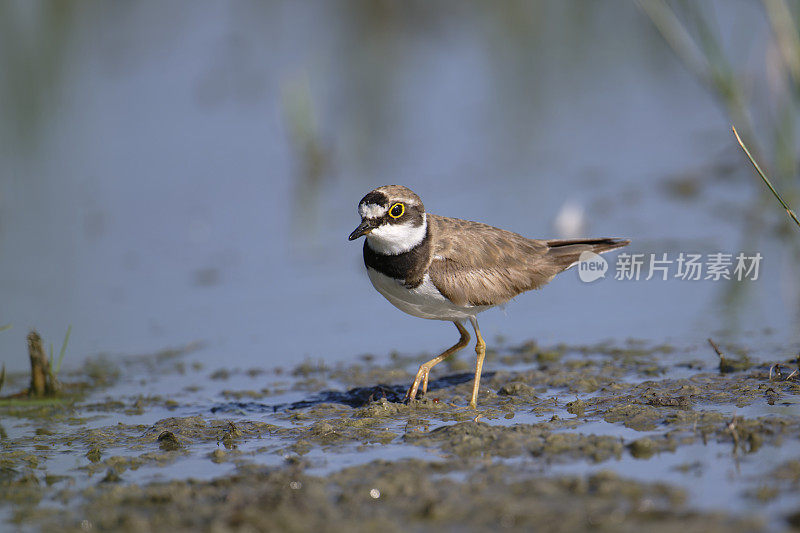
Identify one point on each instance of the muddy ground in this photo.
(565, 438)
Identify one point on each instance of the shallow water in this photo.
(158, 194)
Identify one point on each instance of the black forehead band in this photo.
(377, 198)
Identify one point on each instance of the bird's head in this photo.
(393, 219)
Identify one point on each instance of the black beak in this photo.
(365, 227)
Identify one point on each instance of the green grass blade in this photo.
(63, 349)
(765, 178)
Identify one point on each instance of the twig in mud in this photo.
(765, 179)
(724, 366)
(775, 373)
(43, 382)
(716, 349)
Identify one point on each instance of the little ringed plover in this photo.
(445, 268)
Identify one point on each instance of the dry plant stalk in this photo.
(43, 382)
(765, 179)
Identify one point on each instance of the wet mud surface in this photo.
(565, 438)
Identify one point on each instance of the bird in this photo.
(443, 268)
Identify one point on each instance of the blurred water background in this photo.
(183, 171)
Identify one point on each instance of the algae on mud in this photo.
(578, 438)
(396, 496)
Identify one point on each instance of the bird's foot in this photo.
(421, 378)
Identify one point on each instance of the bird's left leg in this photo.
(462, 343)
(480, 352)
(425, 368)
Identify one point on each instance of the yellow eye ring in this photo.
(393, 211)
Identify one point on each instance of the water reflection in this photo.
(193, 174)
(34, 42)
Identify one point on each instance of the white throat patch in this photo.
(394, 239)
(372, 210)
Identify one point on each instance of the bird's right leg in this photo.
(425, 368)
(480, 351)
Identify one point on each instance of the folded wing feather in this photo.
(477, 264)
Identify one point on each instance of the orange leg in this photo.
(425, 368)
(480, 351)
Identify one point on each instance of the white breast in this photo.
(424, 301)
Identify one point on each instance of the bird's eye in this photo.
(397, 210)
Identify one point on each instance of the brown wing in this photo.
(477, 264)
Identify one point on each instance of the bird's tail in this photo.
(566, 253)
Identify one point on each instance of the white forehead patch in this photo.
(371, 210)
